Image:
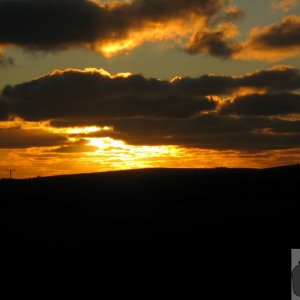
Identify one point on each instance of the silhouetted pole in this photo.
(10, 172)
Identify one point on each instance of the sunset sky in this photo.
(97, 85)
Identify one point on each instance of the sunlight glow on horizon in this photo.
(125, 156)
(84, 152)
(108, 154)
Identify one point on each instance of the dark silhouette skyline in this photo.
(151, 234)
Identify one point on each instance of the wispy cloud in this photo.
(284, 5)
(274, 42)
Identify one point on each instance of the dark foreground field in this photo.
(151, 234)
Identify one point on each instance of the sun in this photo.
(125, 156)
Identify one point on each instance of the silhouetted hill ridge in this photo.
(182, 171)
(220, 186)
(151, 234)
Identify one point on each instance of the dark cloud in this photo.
(212, 42)
(210, 124)
(153, 112)
(18, 138)
(264, 105)
(280, 78)
(284, 126)
(75, 147)
(91, 94)
(59, 24)
(3, 110)
(209, 132)
(212, 131)
(249, 142)
(281, 35)
(273, 42)
(49, 25)
(217, 42)
(276, 79)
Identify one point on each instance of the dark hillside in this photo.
(151, 234)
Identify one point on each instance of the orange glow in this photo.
(20, 123)
(101, 72)
(44, 161)
(216, 98)
(105, 143)
(124, 156)
(82, 153)
(176, 78)
(4, 47)
(45, 126)
(111, 4)
(79, 130)
(112, 48)
(229, 29)
(290, 117)
(233, 9)
(248, 90)
(175, 30)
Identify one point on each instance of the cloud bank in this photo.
(251, 112)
